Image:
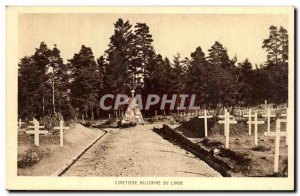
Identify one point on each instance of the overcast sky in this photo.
(241, 34)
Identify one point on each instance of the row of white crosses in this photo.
(36, 131)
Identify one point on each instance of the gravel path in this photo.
(138, 151)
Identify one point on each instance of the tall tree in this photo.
(30, 98)
(272, 45)
(59, 79)
(284, 43)
(217, 55)
(197, 76)
(143, 49)
(85, 81)
(244, 71)
(43, 98)
(120, 70)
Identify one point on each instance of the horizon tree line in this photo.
(47, 86)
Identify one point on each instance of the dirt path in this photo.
(138, 151)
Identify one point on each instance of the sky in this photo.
(241, 34)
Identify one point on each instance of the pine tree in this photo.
(120, 70)
(43, 97)
(143, 49)
(197, 74)
(59, 79)
(218, 55)
(85, 81)
(284, 41)
(272, 45)
(244, 71)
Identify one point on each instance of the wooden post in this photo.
(82, 118)
(268, 115)
(205, 117)
(249, 122)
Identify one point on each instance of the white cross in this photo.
(277, 135)
(61, 131)
(205, 117)
(249, 115)
(20, 123)
(36, 132)
(226, 123)
(223, 116)
(177, 110)
(269, 116)
(256, 123)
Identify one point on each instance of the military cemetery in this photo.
(132, 111)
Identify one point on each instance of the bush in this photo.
(50, 121)
(30, 158)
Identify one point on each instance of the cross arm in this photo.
(281, 133)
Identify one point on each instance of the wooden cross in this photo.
(256, 123)
(269, 116)
(227, 121)
(223, 116)
(61, 131)
(20, 123)
(36, 132)
(205, 117)
(249, 115)
(277, 134)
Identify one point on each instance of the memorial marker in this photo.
(277, 134)
(249, 115)
(205, 117)
(36, 132)
(269, 116)
(61, 132)
(227, 121)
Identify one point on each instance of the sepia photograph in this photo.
(144, 98)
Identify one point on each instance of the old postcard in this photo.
(150, 98)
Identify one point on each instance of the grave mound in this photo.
(194, 128)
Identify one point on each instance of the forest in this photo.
(47, 85)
